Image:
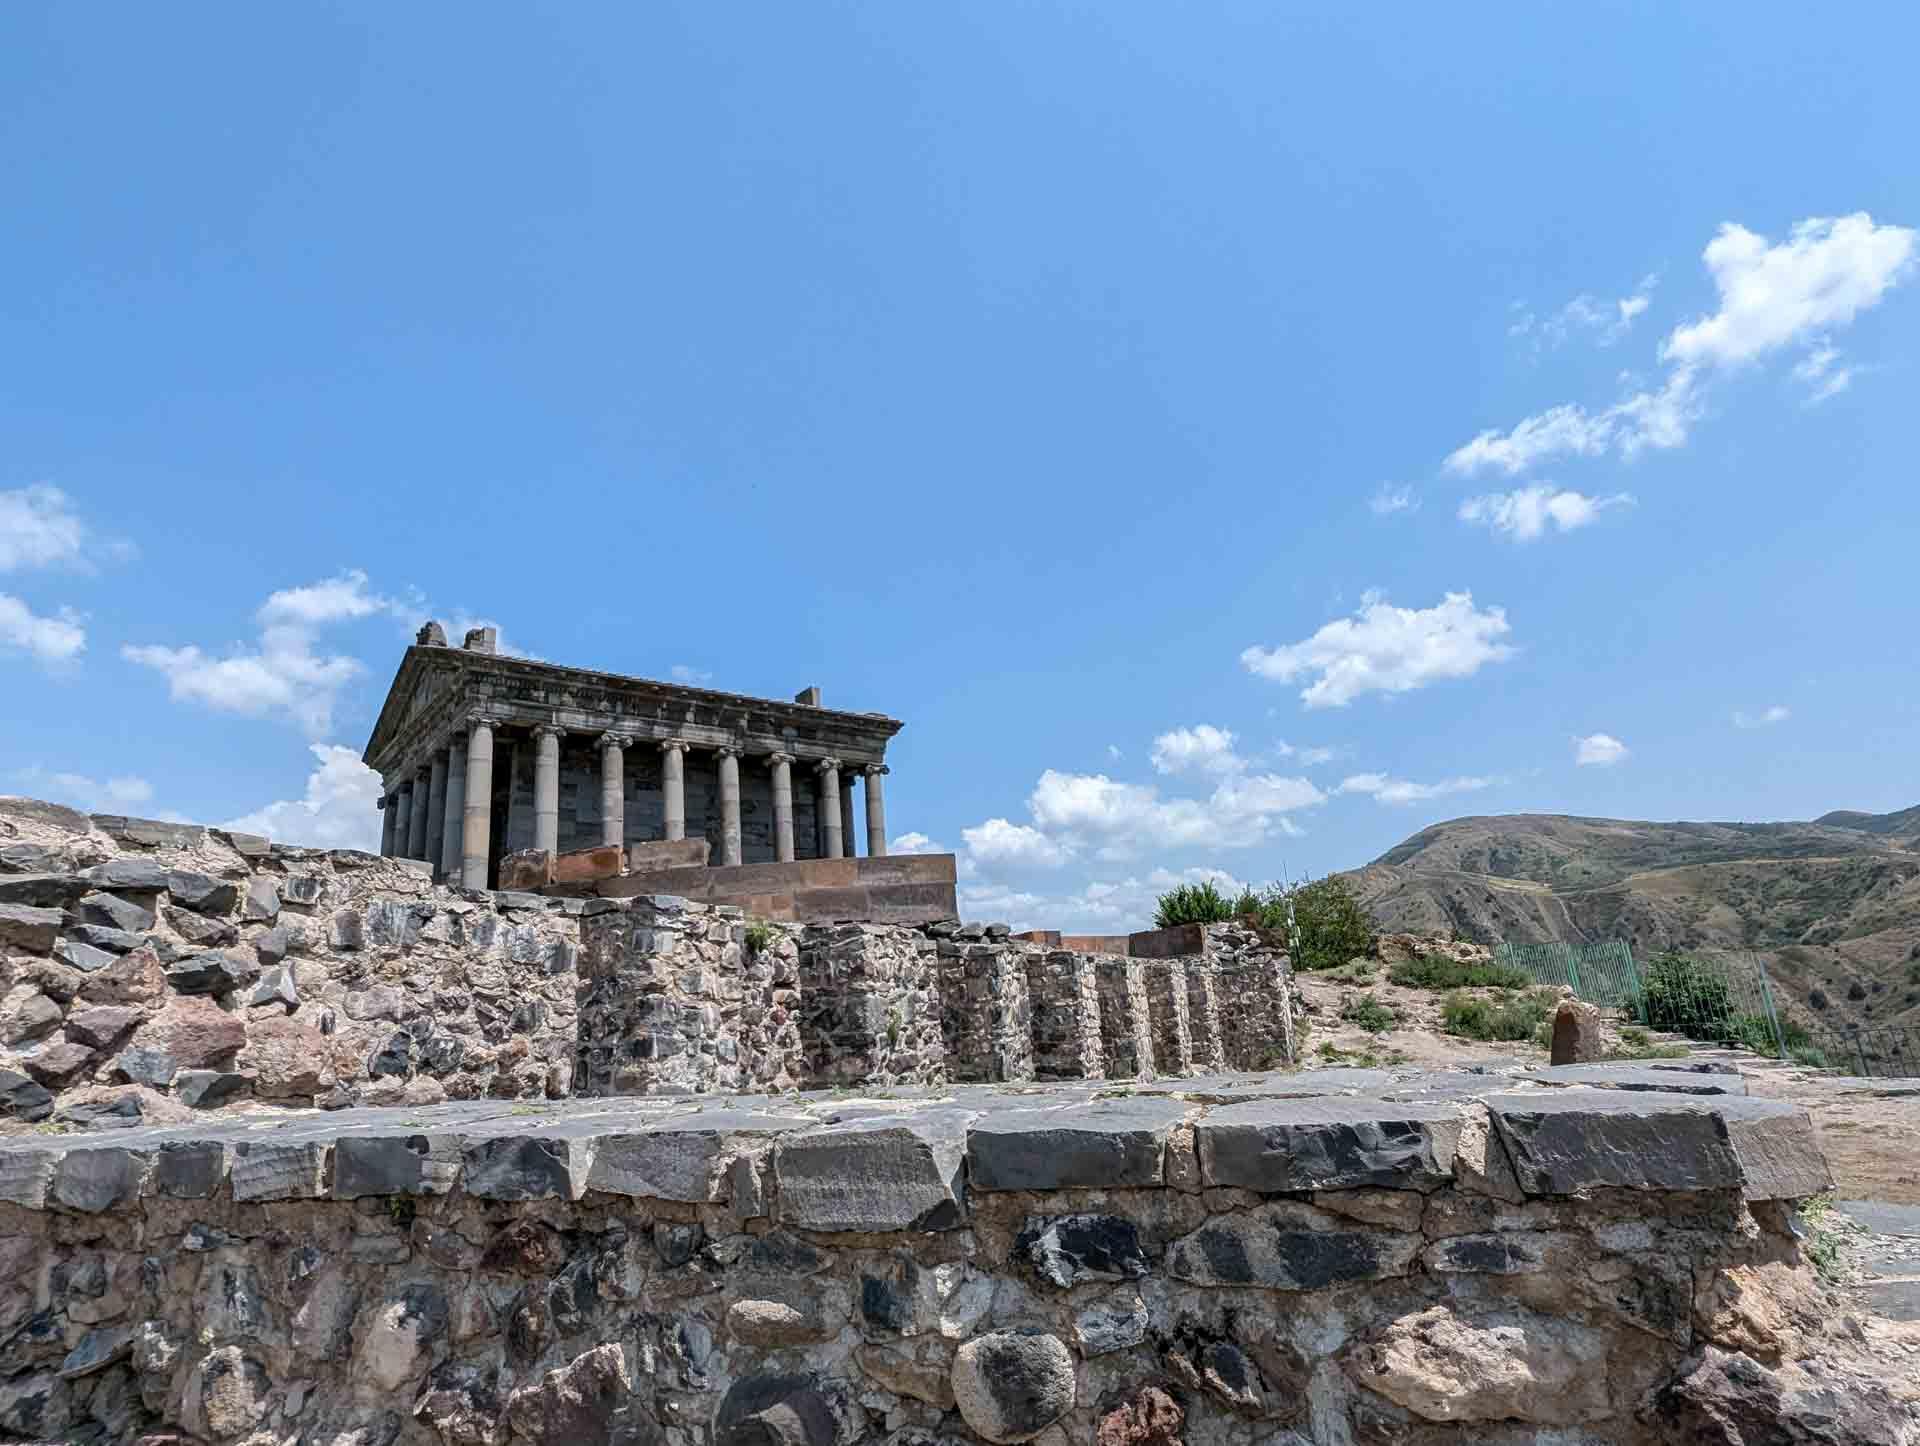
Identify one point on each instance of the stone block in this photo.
(117, 913)
(1288, 1247)
(29, 928)
(205, 1088)
(202, 893)
(1641, 1077)
(526, 870)
(529, 1163)
(99, 1178)
(100, 936)
(1328, 1143)
(893, 1172)
(22, 1099)
(1576, 1034)
(59, 1065)
(395, 1162)
(657, 854)
(287, 1169)
(1101, 1144)
(1564, 1141)
(1778, 1151)
(685, 1158)
(191, 1169)
(211, 973)
(1180, 941)
(586, 866)
(42, 891)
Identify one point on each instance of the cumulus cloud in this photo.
(40, 528)
(1527, 512)
(337, 810)
(1389, 499)
(1766, 717)
(1091, 813)
(1202, 748)
(1387, 649)
(1771, 296)
(1383, 789)
(1100, 906)
(284, 673)
(1598, 750)
(915, 843)
(999, 844)
(1305, 757)
(50, 640)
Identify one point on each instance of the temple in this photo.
(483, 755)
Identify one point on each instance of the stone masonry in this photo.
(1339, 1257)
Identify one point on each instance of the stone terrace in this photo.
(1347, 1255)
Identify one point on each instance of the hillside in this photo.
(1832, 905)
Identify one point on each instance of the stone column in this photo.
(478, 823)
(417, 816)
(831, 822)
(729, 806)
(436, 810)
(782, 764)
(613, 789)
(876, 811)
(453, 817)
(849, 840)
(403, 820)
(673, 786)
(388, 811)
(546, 788)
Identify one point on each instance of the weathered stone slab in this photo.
(191, 1169)
(403, 1162)
(893, 1172)
(99, 1178)
(26, 1175)
(1576, 1034)
(657, 854)
(1102, 1144)
(1640, 1077)
(502, 1162)
(1778, 1150)
(586, 866)
(29, 928)
(1331, 1143)
(42, 891)
(1287, 1247)
(526, 870)
(1563, 1141)
(130, 875)
(293, 1169)
(684, 1157)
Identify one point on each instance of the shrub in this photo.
(1323, 921)
(1684, 996)
(759, 935)
(1247, 904)
(1817, 998)
(1369, 1014)
(1519, 1017)
(1856, 991)
(1432, 971)
(1192, 904)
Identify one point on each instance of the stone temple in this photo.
(485, 756)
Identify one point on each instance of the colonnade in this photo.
(443, 812)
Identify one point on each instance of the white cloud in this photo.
(1305, 757)
(1202, 748)
(1101, 906)
(1383, 789)
(1771, 296)
(1386, 649)
(39, 528)
(1114, 753)
(915, 843)
(337, 811)
(1778, 713)
(998, 845)
(50, 640)
(1822, 276)
(92, 795)
(1598, 750)
(284, 673)
(1091, 812)
(1605, 321)
(1388, 500)
(685, 673)
(1525, 513)
(1823, 376)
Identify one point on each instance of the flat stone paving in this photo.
(1890, 1255)
(907, 1158)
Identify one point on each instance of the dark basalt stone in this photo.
(1067, 1250)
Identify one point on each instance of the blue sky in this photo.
(1231, 439)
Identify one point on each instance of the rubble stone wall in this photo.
(1544, 1264)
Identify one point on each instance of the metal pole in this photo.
(1766, 995)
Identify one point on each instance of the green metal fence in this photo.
(1604, 974)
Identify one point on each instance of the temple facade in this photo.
(482, 754)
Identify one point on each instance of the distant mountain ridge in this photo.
(1831, 905)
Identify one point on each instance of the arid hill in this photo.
(1832, 906)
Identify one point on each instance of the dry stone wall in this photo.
(1414, 1260)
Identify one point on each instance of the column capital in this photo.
(472, 721)
(826, 765)
(728, 750)
(542, 731)
(611, 739)
(874, 770)
(674, 745)
(406, 786)
(776, 758)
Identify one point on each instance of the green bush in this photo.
(1684, 996)
(1369, 1014)
(1434, 972)
(1192, 904)
(759, 935)
(1515, 1018)
(1324, 924)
